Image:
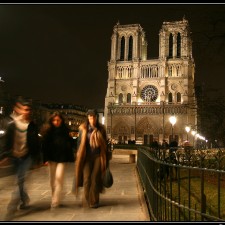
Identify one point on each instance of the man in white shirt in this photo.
(22, 146)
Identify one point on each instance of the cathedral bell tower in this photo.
(143, 93)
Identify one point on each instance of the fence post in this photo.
(203, 205)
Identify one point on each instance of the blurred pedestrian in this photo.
(155, 145)
(21, 144)
(91, 159)
(173, 145)
(165, 144)
(57, 148)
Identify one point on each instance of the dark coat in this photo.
(33, 141)
(57, 145)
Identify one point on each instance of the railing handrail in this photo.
(161, 195)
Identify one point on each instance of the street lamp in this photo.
(206, 141)
(197, 136)
(135, 122)
(110, 107)
(111, 112)
(173, 120)
(193, 132)
(187, 128)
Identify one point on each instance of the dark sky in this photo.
(59, 52)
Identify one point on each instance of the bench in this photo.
(132, 153)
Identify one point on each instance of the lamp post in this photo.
(163, 111)
(135, 122)
(173, 120)
(206, 144)
(193, 132)
(187, 128)
(197, 136)
(111, 112)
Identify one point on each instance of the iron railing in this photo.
(183, 185)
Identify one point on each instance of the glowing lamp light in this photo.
(173, 120)
(187, 128)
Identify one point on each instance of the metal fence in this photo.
(183, 184)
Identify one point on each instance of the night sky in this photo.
(59, 52)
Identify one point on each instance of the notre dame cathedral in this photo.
(142, 93)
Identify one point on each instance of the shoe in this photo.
(95, 206)
(54, 206)
(9, 217)
(25, 204)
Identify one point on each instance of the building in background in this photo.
(144, 94)
(74, 114)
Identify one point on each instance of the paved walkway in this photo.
(124, 201)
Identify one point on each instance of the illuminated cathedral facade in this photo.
(143, 94)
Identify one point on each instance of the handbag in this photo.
(5, 162)
(108, 178)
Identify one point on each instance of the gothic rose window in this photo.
(149, 93)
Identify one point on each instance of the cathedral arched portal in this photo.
(147, 130)
(121, 132)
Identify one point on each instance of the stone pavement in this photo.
(124, 201)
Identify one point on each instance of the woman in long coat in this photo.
(91, 159)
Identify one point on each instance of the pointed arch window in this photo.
(178, 97)
(178, 45)
(128, 98)
(130, 51)
(120, 98)
(170, 71)
(171, 46)
(122, 48)
(170, 98)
